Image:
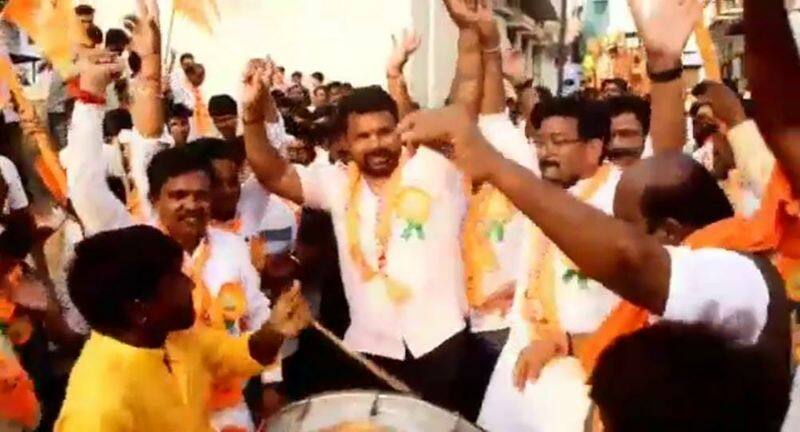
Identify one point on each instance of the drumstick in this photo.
(390, 380)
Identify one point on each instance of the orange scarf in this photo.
(396, 291)
(540, 308)
(775, 227)
(487, 216)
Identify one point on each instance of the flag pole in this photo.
(166, 60)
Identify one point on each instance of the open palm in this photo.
(403, 50)
(665, 25)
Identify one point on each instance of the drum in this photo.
(388, 412)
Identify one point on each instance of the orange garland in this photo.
(540, 307)
(396, 291)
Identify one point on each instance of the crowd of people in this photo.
(531, 262)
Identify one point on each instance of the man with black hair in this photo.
(297, 78)
(317, 80)
(225, 114)
(95, 35)
(145, 366)
(630, 126)
(117, 41)
(687, 377)
(319, 98)
(388, 304)
(179, 124)
(178, 186)
(334, 92)
(85, 14)
(613, 87)
(186, 60)
(572, 136)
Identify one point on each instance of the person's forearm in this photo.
(668, 129)
(752, 155)
(494, 93)
(269, 167)
(399, 92)
(265, 345)
(773, 66)
(625, 261)
(527, 98)
(147, 107)
(468, 82)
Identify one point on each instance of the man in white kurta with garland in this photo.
(227, 287)
(553, 299)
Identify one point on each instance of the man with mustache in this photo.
(397, 218)
(572, 135)
(227, 292)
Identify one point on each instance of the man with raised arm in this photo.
(396, 215)
(178, 183)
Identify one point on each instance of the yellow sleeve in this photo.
(90, 420)
(226, 355)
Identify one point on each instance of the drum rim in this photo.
(377, 394)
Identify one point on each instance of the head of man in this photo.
(319, 97)
(150, 297)
(630, 125)
(225, 114)
(116, 121)
(301, 152)
(196, 74)
(297, 78)
(117, 41)
(180, 190)
(334, 92)
(317, 79)
(368, 119)
(670, 197)
(85, 15)
(95, 36)
(687, 377)
(571, 137)
(704, 124)
(614, 87)
(226, 160)
(178, 123)
(187, 60)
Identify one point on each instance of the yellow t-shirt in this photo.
(117, 387)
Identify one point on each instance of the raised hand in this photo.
(462, 12)
(291, 313)
(665, 27)
(98, 68)
(487, 26)
(725, 103)
(402, 51)
(514, 66)
(453, 132)
(145, 31)
(254, 90)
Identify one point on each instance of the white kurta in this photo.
(512, 143)
(559, 400)
(99, 210)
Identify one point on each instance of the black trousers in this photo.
(477, 369)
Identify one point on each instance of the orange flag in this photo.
(53, 26)
(198, 12)
(707, 52)
(46, 164)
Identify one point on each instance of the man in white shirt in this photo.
(661, 201)
(179, 188)
(396, 216)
